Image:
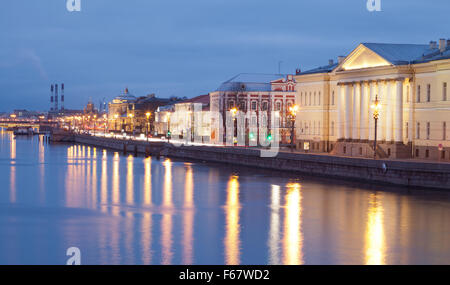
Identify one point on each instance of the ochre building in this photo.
(410, 81)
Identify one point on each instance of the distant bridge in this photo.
(36, 125)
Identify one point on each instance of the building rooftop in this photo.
(250, 82)
(397, 54)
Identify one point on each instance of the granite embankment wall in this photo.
(406, 173)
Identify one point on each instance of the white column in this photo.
(383, 102)
(391, 101)
(371, 121)
(348, 112)
(364, 123)
(411, 109)
(339, 106)
(398, 114)
(356, 109)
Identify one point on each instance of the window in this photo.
(319, 98)
(418, 131)
(332, 98)
(264, 106)
(407, 130)
(428, 93)
(242, 105)
(318, 129)
(254, 105)
(278, 106)
(443, 154)
(417, 152)
(230, 104)
(444, 131)
(332, 128)
(428, 130)
(427, 153)
(314, 98)
(444, 91)
(418, 94)
(309, 99)
(301, 98)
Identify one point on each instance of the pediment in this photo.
(361, 58)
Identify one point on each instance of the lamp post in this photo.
(293, 112)
(233, 114)
(131, 120)
(105, 120)
(168, 127)
(115, 122)
(376, 112)
(148, 123)
(95, 123)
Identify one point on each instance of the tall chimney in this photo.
(62, 96)
(433, 45)
(341, 59)
(51, 97)
(442, 46)
(56, 97)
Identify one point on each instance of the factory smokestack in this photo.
(62, 96)
(51, 97)
(56, 97)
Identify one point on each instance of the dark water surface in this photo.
(131, 210)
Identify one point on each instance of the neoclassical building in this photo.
(410, 81)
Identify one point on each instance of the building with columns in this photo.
(410, 82)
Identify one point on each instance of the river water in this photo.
(133, 210)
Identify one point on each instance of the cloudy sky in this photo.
(186, 48)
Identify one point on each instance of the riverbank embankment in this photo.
(396, 172)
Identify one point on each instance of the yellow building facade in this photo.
(336, 113)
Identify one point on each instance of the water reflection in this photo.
(293, 238)
(115, 179)
(274, 232)
(146, 223)
(375, 249)
(135, 210)
(130, 180)
(232, 227)
(166, 222)
(188, 219)
(12, 186)
(41, 169)
(148, 181)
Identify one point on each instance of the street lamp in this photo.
(95, 123)
(293, 112)
(131, 119)
(233, 114)
(105, 120)
(376, 112)
(148, 114)
(168, 127)
(115, 122)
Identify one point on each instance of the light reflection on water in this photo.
(133, 210)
